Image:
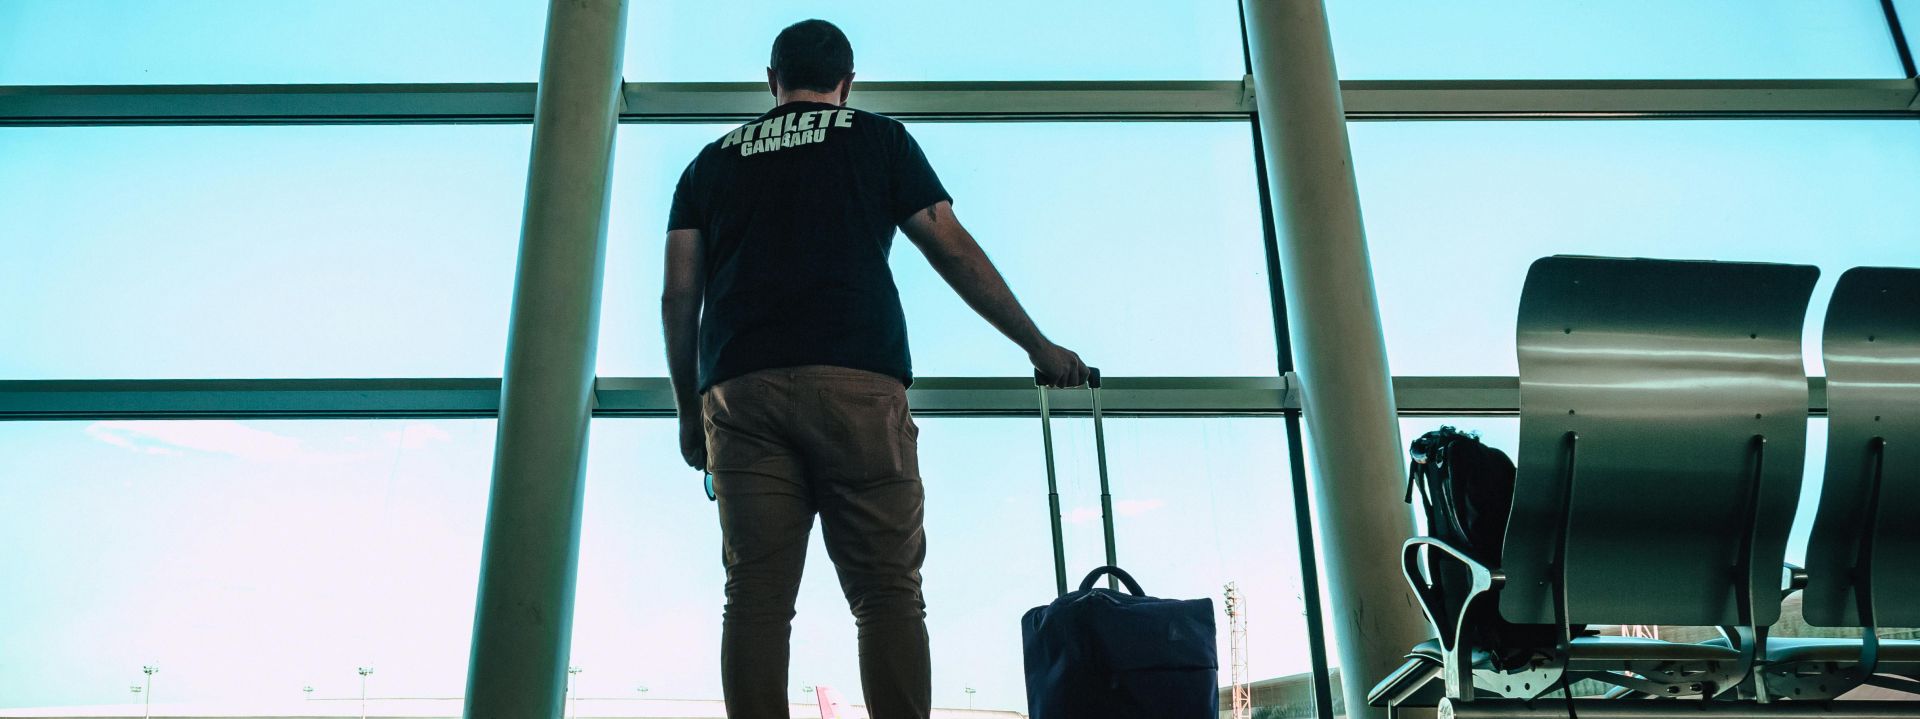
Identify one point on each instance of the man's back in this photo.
(788, 355)
(797, 211)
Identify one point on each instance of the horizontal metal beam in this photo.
(30, 400)
(436, 103)
(653, 102)
(613, 397)
(248, 398)
(1500, 396)
(1628, 99)
(959, 101)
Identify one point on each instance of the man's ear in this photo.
(773, 83)
(846, 88)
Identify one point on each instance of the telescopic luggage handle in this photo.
(1053, 484)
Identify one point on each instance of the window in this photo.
(245, 559)
(1198, 502)
(1136, 244)
(198, 252)
(99, 42)
(1611, 39)
(984, 40)
(1456, 212)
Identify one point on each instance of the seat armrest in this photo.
(1457, 664)
(1796, 576)
(1484, 580)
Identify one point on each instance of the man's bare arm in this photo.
(958, 258)
(680, 301)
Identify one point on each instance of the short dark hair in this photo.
(811, 55)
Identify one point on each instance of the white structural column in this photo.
(1340, 358)
(524, 615)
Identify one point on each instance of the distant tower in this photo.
(1237, 650)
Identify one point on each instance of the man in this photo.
(788, 351)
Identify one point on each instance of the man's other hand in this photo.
(1060, 365)
(693, 444)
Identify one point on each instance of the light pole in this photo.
(148, 692)
(573, 702)
(364, 673)
(969, 698)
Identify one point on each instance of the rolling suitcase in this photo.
(1107, 654)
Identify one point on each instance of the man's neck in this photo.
(829, 98)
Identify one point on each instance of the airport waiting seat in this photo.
(1662, 440)
(1863, 558)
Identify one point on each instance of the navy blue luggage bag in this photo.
(1107, 654)
(1104, 654)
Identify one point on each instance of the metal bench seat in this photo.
(1863, 558)
(1662, 421)
(1662, 437)
(1819, 668)
(1896, 657)
(1604, 650)
(1417, 682)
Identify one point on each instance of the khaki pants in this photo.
(784, 445)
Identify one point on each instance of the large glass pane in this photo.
(1198, 502)
(148, 42)
(1136, 244)
(983, 40)
(1456, 212)
(197, 252)
(1609, 39)
(246, 560)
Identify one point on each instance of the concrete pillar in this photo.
(1340, 357)
(524, 618)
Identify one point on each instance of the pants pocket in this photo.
(868, 436)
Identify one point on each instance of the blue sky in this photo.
(242, 41)
(251, 558)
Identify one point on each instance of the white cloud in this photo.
(1123, 508)
(1136, 507)
(106, 432)
(416, 436)
(211, 436)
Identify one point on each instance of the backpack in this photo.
(1466, 491)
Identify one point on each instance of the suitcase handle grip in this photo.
(1125, 578)
(1093, 378)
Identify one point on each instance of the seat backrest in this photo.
(1664, 373)
(1872, 348)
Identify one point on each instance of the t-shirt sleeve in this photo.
(915, 186)
(686, 213)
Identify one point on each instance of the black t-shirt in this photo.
(797, 212)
